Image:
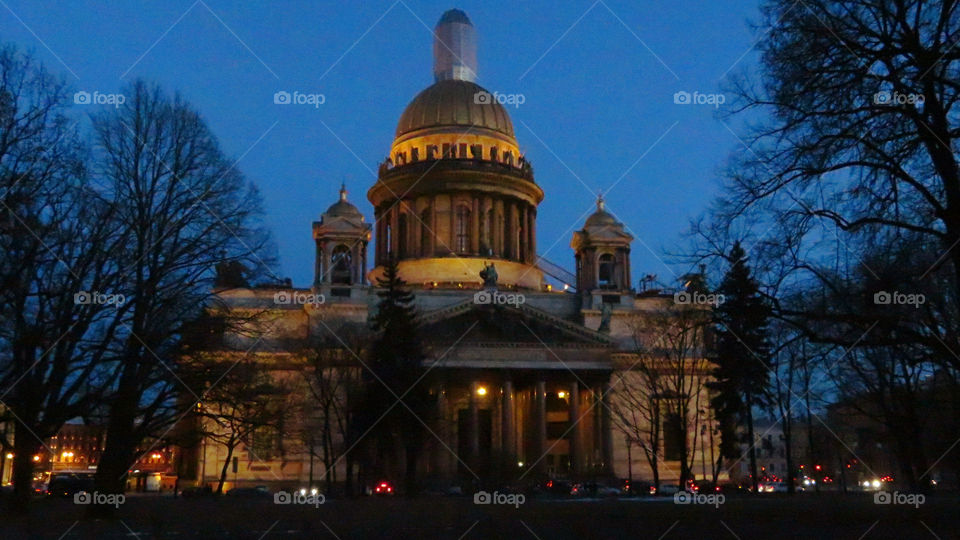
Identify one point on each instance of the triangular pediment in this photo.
(471, 323)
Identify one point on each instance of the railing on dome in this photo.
(522, 168)
(557, 272)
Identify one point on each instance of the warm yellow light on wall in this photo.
(481, 391)
(561, 394)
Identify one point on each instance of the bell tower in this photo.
(341, 238)
(602, 250)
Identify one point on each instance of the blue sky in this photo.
(598, 79)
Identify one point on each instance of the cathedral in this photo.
(525, 358)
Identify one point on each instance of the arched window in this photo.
(463, 229)
(605, 273)
(425, 232)
(402, 236)
(340, 262)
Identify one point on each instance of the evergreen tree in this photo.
(396, 363)
(741, 356)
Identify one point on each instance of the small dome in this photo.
(342, 208)
(454, 103)
(601, 218)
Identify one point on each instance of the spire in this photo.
(454, 48)
(343, 192)
(600, 203)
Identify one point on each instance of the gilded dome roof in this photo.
(454, 103)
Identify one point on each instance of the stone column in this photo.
(394, 232)
(475, 227)
(508, 442)
(432, 247)
(498, 223)
(576, 430)
(532, 234)
(606, 428)
(440, 455)
(317, 264)
(327, 261)
(474, 425)
(540, 425)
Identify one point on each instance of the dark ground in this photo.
(769, 517)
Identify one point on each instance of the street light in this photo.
(481, 390)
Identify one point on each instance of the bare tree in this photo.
(241, 398)
(333, 382)
(183, 209)
(666, 386)
(58, 303)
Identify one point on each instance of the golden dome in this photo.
(454, 103)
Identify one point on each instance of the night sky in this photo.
(598, 82)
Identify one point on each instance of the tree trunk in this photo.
(24, 448)
(226, 465)
(753, 446)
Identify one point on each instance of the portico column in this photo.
(474, 425)
(540, 424)
(440, 454)
(576, 440)
(508, 429)
(606, 429)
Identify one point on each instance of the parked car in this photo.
(68, 484)
(638, 488)
(383, 488)
(251, 492)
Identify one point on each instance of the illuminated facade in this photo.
(523, 385)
